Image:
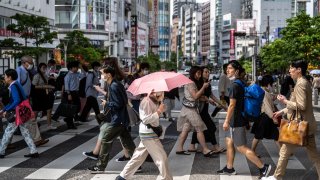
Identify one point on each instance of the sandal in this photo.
(222, 150)
(182, 153)
(209, 154)
(192, 150)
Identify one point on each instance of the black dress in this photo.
(263, 127)
(209, 134)
(40, 99)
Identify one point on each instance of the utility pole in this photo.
(254, 58)
(177, 58)
(268, 30)
(165, 51)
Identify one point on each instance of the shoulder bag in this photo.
(158, 130)
(104, 117)
(294, 131)
(23, 111)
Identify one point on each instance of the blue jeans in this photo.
(11, 128)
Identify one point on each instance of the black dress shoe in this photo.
(2, 156)
(34, 155)
(72, 127)
(41, 142)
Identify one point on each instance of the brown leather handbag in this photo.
(294, 131)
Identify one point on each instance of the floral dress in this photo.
(189, 118)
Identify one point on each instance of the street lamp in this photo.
(165, 51)
(177, 58)
(65, 47)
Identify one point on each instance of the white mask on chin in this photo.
(232, 78)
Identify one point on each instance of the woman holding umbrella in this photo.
(190, 118)
(149, 111)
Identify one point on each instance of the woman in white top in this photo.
(149, 111)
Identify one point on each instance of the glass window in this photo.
(4, 22)
(64, 17)
(67, 2)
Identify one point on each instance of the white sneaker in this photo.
(52, 127)
(268, 178)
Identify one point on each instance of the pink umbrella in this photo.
(158, 81)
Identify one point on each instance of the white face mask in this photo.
(232, 78)
(30, 67)
(145, 72)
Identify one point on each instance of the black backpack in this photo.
(60, 81)
(82, 85)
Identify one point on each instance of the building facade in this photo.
(226, 14)
(205, 32)
(9, 8)
(174, 35)
(277, 11)
(141, 31)
(164, 29)
(196, 34)
(92, 18)
(177, 4)
(105, 22)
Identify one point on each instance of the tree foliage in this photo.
(80, 48)
(301, 40)
(246, 63)
(153, 60)
(34, 28)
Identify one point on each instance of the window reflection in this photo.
(90, 15)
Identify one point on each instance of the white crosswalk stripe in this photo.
(182, 167)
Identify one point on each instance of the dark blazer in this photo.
(117, 104)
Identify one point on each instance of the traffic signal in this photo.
(240, 34)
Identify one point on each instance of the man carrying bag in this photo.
(300, 101)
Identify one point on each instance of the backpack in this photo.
(253, 99)
(82, 85)
(60, 81)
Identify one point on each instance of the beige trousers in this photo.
(287, 149)
(156, 151)
(34, 130)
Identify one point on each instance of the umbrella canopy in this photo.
(315, 71)
(158, 81)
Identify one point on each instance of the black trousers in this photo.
(75, 101)
(91, 102)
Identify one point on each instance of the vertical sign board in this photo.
(134, 28)
(155, 22)
(232, 45)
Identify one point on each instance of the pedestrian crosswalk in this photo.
(62, 158)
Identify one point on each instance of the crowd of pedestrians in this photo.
(39, 87)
